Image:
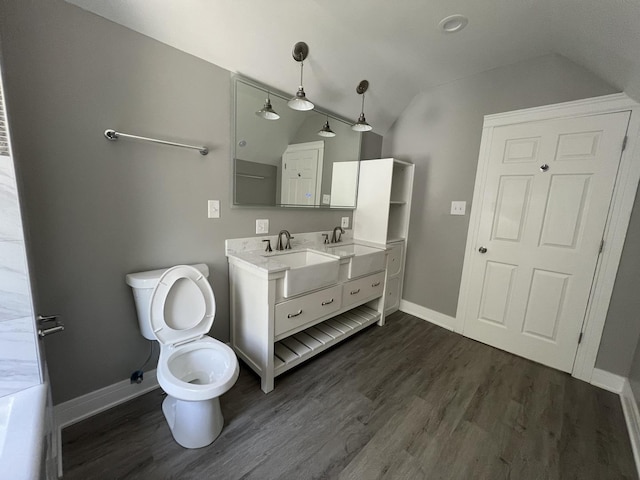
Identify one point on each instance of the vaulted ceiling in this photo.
(397, 45)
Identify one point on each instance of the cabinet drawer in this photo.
(362, 288)
(302, 310)
(394, 258)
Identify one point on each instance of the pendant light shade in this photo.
(299, 100)
(267, 112)
(361, 125)
(326, 131)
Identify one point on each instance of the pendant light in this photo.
(361, 125)
(299, 100)
(326, 131)
(267, 112)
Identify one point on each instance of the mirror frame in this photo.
(237, 78)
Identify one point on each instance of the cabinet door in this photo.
(306, 309)
(363, 289)
(392, 296)
(394, 259)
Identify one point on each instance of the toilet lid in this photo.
(182, 305)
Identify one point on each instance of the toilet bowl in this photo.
(177, 307)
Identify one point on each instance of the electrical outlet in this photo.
(213, 207)
(458, 208)
(326, 199)
(262, 225)
(345, 222)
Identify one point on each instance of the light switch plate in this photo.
(213, 208)
(458, 208)
(345, 222)
(262, 225)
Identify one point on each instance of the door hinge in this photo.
(580, 338)
(601, 246)
(624, 142)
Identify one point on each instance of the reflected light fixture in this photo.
(299, 100)
(267, 112)
(326, 131)
(361, 125)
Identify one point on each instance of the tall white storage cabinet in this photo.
(382, 216)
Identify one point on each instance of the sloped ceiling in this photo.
(397, 46)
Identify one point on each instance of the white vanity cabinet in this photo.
(272, 333)
(382, 214)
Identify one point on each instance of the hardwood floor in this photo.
(406, 401)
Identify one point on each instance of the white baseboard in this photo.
(85, 406)
(607, 381)
(79, 408)
(632, 417)
(437, 318)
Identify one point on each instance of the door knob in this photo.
(482, 250)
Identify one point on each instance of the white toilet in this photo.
(176, 306)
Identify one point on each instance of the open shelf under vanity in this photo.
(297, 348)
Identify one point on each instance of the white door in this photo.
(302, 173)
(544, 208)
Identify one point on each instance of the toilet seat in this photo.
(178, 367)
(182, 306)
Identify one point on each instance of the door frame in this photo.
(622, 201)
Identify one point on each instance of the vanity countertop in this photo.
(250, 251)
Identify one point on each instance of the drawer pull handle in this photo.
(375, 284)
(291, 315)
(328, 302)
(355, 292)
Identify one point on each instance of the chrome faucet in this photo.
(335, 238)
(288, 236)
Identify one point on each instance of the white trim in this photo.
(80, 408)
(85, 406)
(607, 381)
(474, 226)
(622, 202)
(431, 316)
(617, 223)
(632, 418)
(604, 104)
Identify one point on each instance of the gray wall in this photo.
(634, 375)
(440, 132)
(622, 327)
(96, 210)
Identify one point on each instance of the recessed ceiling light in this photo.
(453, 23)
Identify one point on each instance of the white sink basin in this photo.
(363, 260)
(307, 271)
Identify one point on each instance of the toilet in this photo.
(176, 307)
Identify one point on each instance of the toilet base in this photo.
(193, 424)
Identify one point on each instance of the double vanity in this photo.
(289, 305)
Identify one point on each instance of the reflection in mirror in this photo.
(285, 162)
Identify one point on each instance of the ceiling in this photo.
(397, 46)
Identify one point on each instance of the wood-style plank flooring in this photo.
(406, 401)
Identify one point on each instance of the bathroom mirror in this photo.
(285, 162)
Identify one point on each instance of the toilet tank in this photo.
(143, 284)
